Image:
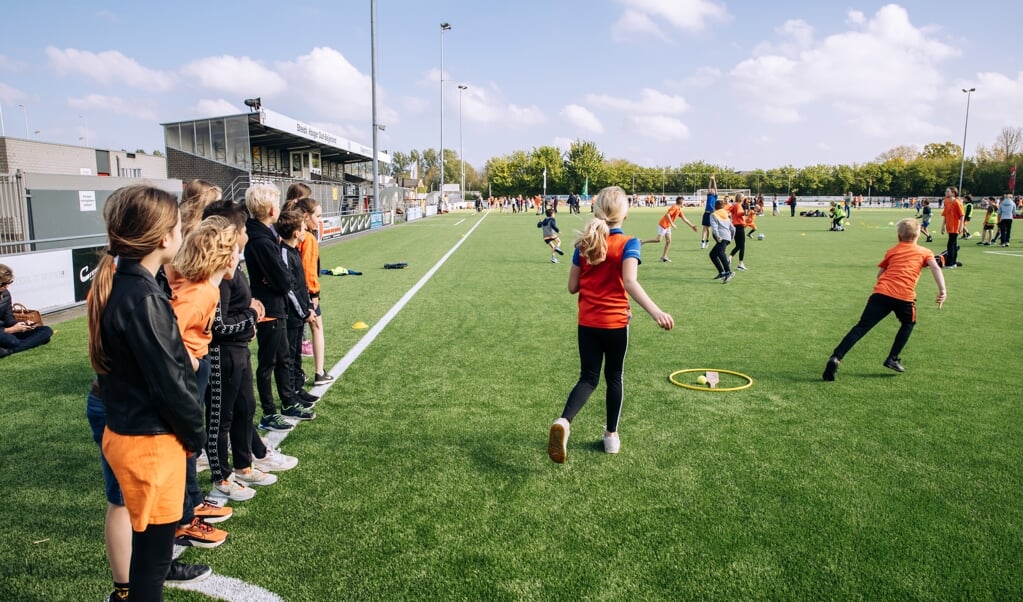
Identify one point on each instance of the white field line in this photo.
(1006, 253)
(235, 590)
(458, 222)
(219, 587)
(354, 353)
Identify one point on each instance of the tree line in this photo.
(899, 172)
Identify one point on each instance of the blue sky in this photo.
(658, 82)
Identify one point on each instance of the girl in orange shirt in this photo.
(309, 248)
(604, 275)
(210, 252)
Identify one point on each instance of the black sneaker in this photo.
(274, 422)
(728, 277)
(831, 368)
(719, 276)
(4, 352)
(297, 411)
(323, 379)
(306, 397)
(183, 574)
(892, 363)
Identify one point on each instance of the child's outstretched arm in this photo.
(635, 290)
(939, 279)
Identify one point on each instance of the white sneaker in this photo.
(557, 443)
(232, 490)
(554, 260)
(611, 442)
(274, 461)
(254, 476)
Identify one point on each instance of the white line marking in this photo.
(354, 353)
(230, 589)
(1008, 254)
(458, 222)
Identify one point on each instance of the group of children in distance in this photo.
(171, 315)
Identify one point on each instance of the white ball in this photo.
(760, 237)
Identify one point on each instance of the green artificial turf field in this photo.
(425, 474)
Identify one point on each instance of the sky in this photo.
(746, 84)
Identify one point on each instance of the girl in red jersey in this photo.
(603, 273)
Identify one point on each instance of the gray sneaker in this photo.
(297, 411)
(274, 422)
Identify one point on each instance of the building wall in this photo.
(186, 167)
(44, 157)
(32, 156)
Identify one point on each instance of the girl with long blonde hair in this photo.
(604, 275)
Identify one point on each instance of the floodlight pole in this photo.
(376, 127)
(461, 157)
(962, 163)
(443, 27)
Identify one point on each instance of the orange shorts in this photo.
(151, 472)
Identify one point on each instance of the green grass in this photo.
(425, 475)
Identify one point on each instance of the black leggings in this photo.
(596, 344)
(718, 256)
(273, 358)
(878, 307)
(151, 552)
(229, 412)
(952, 250)
(740, 242)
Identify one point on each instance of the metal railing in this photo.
(14, 230)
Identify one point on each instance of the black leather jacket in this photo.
(151, 388)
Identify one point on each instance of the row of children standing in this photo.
(169, 329)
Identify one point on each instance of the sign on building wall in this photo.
(86, 200)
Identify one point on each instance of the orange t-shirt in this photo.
(738, 214)
(669, 218)
(195, 304)
(953, 213)
(751, 219)
(309, 247)
(902, 266)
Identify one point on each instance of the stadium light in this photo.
(962, 162)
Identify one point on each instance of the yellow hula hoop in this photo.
(749, 381)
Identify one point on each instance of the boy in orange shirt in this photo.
(895, 291)
(953, 213)
(666, 224)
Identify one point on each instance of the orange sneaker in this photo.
(200, 534)
(213, 513)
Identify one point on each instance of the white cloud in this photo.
(114, 104)
(856, 17)
(999, 96)
(328, 83)
(109, 67)
(659, 127)
(650, 101)
(10, 94)
(582, 118)
(562, 143)
(241, 76)
(486, 104)
(703, 78)
(216, 108)
(650, 17)
(882, 74)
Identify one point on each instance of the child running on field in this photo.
(925, 219)
(604, 275)
(895, 291)
(667, 224)
(550, 235)
(153, 416)
(723, 231)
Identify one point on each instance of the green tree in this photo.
(585, 164)
(942, 150)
